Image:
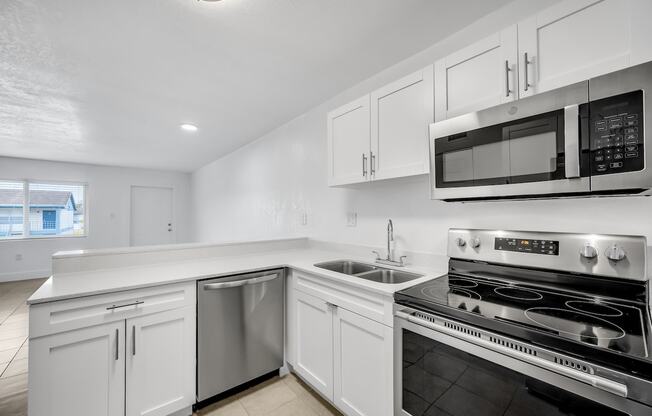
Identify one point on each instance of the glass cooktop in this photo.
(557, 319)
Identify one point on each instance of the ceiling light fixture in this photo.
(188, 127)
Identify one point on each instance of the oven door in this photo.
(441, 374)
(536, 146)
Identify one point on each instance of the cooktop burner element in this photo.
(594, 308)
(574, 323)
(518, 293)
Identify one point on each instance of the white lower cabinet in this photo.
(362, 365)
(78, 373)
(158, 358)
(314, 342)
(345, 356)
(142, 362)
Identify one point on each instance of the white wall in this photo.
(263, 189)
(108, 198)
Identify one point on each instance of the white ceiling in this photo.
(109, 81)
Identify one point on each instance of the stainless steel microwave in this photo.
(586, 139)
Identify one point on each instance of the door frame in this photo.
(131, 211)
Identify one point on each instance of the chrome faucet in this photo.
(390, 254)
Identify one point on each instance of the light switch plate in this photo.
(351, 219)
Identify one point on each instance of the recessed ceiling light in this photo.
(188, 127)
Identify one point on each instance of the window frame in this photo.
(26, 206)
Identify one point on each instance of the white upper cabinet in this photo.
(578, 39)
(479, 76)
(400, 115)
(348, 143)
(160, 363)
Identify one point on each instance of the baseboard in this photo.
(26, 275)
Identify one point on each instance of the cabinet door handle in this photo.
(372, 162)
(507, 69)
(526, 62)
(133, 340)
(110, 308)
(364, 165)
(117, 344)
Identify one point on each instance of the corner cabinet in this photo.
(339, 346)
(384, 134)
(126, 353)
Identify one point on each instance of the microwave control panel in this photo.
(616, 138)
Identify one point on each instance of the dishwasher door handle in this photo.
(238, 283)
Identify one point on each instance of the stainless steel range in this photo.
(528, 323)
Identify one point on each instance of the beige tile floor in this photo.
(13, 345)
(280, 396)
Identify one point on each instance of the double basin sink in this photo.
(368, 271)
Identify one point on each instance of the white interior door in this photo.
(152, 216)
(479, 76)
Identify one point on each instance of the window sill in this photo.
(45, 237)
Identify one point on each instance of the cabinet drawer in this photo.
(368, 304)
(60, 316)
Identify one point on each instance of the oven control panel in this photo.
(616, 137)
(526, 245)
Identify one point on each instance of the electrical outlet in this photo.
(351, 219)
(304, 218)
(19, 257)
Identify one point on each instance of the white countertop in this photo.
(92, 282)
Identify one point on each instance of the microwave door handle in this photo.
(572, 141)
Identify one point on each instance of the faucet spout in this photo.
(390, 238)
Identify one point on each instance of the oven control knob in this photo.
(474, 242)
(588, 251)
(615, 253)
(460, 242)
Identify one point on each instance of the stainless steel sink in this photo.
(368, 271)
(346, 267)
(388, 276)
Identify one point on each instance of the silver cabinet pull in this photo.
(507, 69)
(138, 302)
(373, 163)
(133, 340)
(238, 283)
(117, 344)
(527, 62)
(364, 165)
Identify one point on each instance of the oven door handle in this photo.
(572, 141)
(595, 381)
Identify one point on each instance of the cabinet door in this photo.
(314, 342)
(479, 76)
(160, 362)
(348, 143)
(578, 39)
(363, 365)
(400, 115)
(80, 372)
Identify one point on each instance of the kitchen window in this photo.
(42, 209)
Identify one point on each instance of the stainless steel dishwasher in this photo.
(239, 330)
